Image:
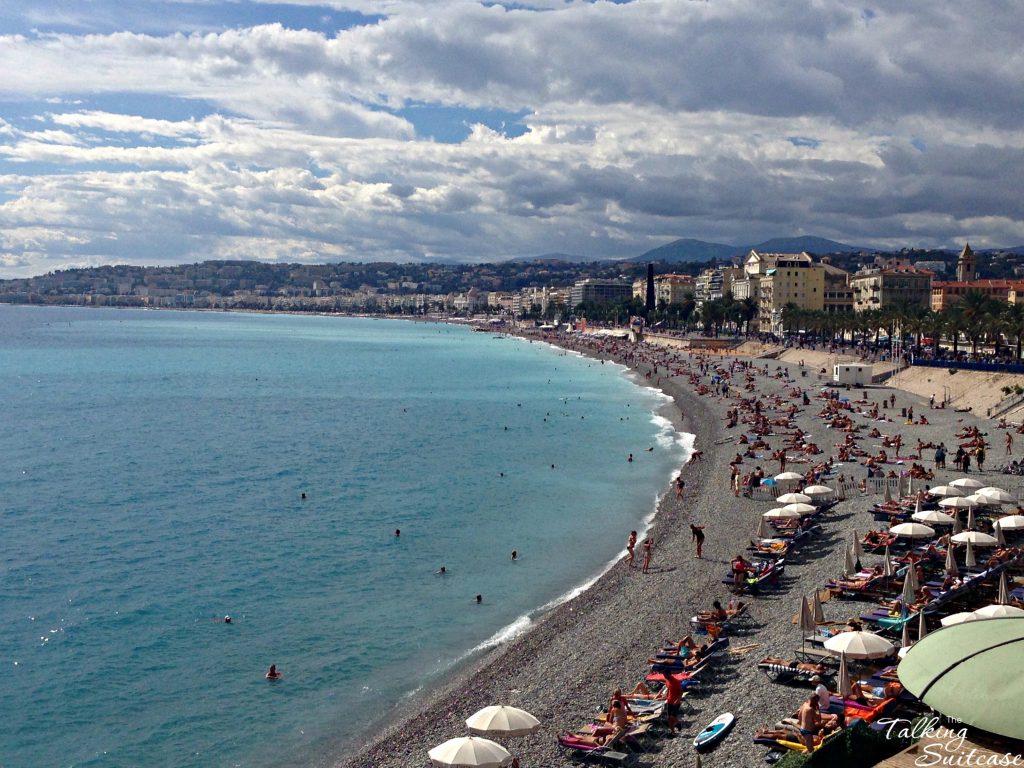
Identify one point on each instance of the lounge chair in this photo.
(789, 673)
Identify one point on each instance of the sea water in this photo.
(154, 466)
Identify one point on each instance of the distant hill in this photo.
(688, 249)
(809, 243)
(566, 257)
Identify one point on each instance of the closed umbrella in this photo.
(912, 531)
(951, 567)
(998, 611)
(922, 626)
(887, 564)
(859, 645)
(977, 538)
(905, 639)
(470, 752)
(762, 531)
(817, 612)
(969, 560)
(958, 618)
(933, 517)
(971, 525)
(961, 673)
(1000, 538)
(957, 525)
(911, 577)
(800, 507)
(502, 721)
(858, 551)
(843, 683)
(945, 490)
(967, 484)
(1011, 523)
(917, 506)
(848, 569)
(807, 625)
(793, 498)
(885, 487)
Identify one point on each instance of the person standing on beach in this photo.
(673, 698)
(680, 486)
(630, 547)
(1009, 444)
(648, 543)
(697, 535)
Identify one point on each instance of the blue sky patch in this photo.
(803, 141)
(450, 125)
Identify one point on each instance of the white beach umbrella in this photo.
(887, 564)
(969, 560)
(981, 500)
(998, 611)
(907, 595)
(917, 506)
(1004, 590)
(816, 610)
(998, 494)
(971, 524)
(933, 517)
(1000, 538)
(912, 531)
(858, 550)
(951, 567)
(502, 721)
(958, 618)
(800, 507)
(807, 623)
(945, 490)
(911, 576)
(793, 498)
(788, 477)
(818, 490)
(859, 645)
(843, 683)
(1010, 523)
(782, 513)
(956, 502)
(848, 569)
(905, 638)
(762, 531)
(470, 752)
(957, 525)
(886, 491)
(967, 484)
(977, 538)
(922, 626)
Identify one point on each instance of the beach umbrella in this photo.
(922, 626)
(997, 494)
(818, 490)
(807, 625)
(911, 576)
(816, 610)
(1004, 590)
(981, 500)
(917, 506)
(789, 476)
(933, 517)
(1010, 523)
(912, 531)
(907, 596)
(956, 502)
(859, 645)
(885, 488)
(782, 513)
(957, 525)
(976, 538)
(843, 683)
(800, 507)
(945, 490)
(967, 484)
(793, 498)
(951, 568)
(958, 618)
(969, 560)
(502, 721)
(470, 752)
(887, 563)
(961, 673)
(762, 531)
(848, 569)
(998, 611)
(1000, 538)
(858, 551)
(905, 639)
(971, 524)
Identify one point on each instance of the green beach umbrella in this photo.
(961, 673)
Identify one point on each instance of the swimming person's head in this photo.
(479, 598)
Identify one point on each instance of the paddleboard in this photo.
(715, 731)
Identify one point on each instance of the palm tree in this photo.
(978, 311)
(1013, 324)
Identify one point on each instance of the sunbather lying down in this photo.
(597, 740)
(818, 669)
(790, 733)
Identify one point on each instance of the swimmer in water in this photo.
(515, 555)
(227, 619)
(630, 459)
(272, 673)
(303, 494)
(398, 532)
(479, 599)
(441, 571)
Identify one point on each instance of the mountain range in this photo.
(688, 249)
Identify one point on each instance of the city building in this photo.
(713, 284)
(838, 292)
(885, 286)
(594, 291)
(787, 279)
(945, 293)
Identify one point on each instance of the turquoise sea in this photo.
(153, 471)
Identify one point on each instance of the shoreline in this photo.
(416, 726)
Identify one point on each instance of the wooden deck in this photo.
(982, 751)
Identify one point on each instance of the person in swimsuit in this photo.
(648, 543)
(272, 673)
(697, 536)
(630, 546)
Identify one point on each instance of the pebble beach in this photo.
(565, 667)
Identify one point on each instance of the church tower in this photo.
(966, 265)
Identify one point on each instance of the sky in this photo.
(152, 132)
